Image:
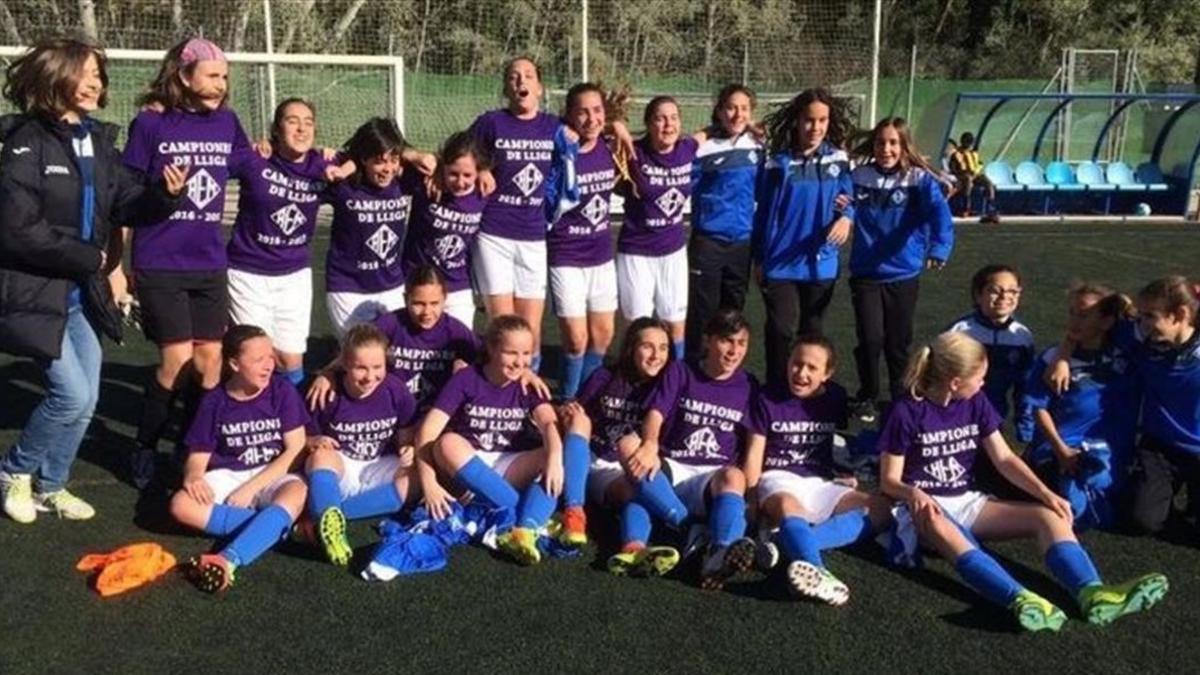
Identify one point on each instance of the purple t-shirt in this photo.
(246, 434)
(190, 239)
(582, 237)
(441, 236)
(424, 359)
(939, 443)
(367, 234)
(615, 407)
(705, 419)
(799, 431)
(491, 418)
(365, 428)
(277, 211)
(654, 216)
(520, 151)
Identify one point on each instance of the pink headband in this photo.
(199, 49)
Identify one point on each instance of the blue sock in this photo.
(591, 361)
(981, 572)
(536, 363)
(380, 500)
(797, 540)
(536, 506)
(486, 483)
(727, 521)
(677, 350)
(635, 524)
(572, 375)
(1072, 566)
(842, 530)
(577, 459)
(225, 520)
(261, 533)
(323, 492)
(659, 498)
(296, 376)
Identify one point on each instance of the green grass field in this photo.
(291, 611)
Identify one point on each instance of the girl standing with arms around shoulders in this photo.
(583, 278)
(179, 263)
(726, 168)
(364, 277)
(247, 434)
(509, 256)
(798, 226)
(902, 226)
(652, 268)
(928, 448)
(64, 190)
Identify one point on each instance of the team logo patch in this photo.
(528, 179)
(898, 197)
(202, 189)
(596, 209)
(946, 470)
(703, 443)
(490, 440)
(56, 170)
(361, 450)
(670, 201)
(834, 170)
(289, 219)
(449, 247)
(383, 241)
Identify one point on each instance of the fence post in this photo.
(583, 48)
(871, 106)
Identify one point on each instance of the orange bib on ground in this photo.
(127, 567)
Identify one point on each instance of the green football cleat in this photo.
(1036, 613)
(520, 544)
(651, 561)
(1102, 604)
(332, 532)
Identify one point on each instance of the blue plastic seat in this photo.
(1059, 175)
(1030, 175)
(1151, 176)
(1120, 175)
(1001, 175)
(1091, 176)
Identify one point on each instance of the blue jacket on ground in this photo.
(900, 219)
(725, 173)
(795, 209)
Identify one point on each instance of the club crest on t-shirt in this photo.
(289, 219)
(670, 201)
(449, 247)
(946, 471)
(202, 189)
(596, 209)
(383, 241)
(702, 443)
(528, 179)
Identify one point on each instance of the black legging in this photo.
(883, 322)
(793, 308)
(718, 274)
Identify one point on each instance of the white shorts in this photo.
(964, 508)
(360, 475)
(349, 309)
(691, 484)
(653, 286)
(580, 290)
(509, 267)
(498, 461)
(461, 305)
(601, 474)
(817, 496)
(224, 481)
(280, 305)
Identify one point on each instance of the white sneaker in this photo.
(809, 581)
(65, 505)
(18, 497)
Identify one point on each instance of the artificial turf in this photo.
(292, 611)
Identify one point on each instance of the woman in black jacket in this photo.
(62, 186)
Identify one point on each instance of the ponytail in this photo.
(948, 356)
(917, 371)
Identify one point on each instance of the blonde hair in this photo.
(948, 356)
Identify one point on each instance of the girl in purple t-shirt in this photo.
(364, 276)
(247, 434)
(583, 278)
(444, 227)
(609, 412)
(652, 267)
(179, 264)
(508, 260)
(360, 445)
(928, 447)
(270, 279)
(477, 433)
(789, 464)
